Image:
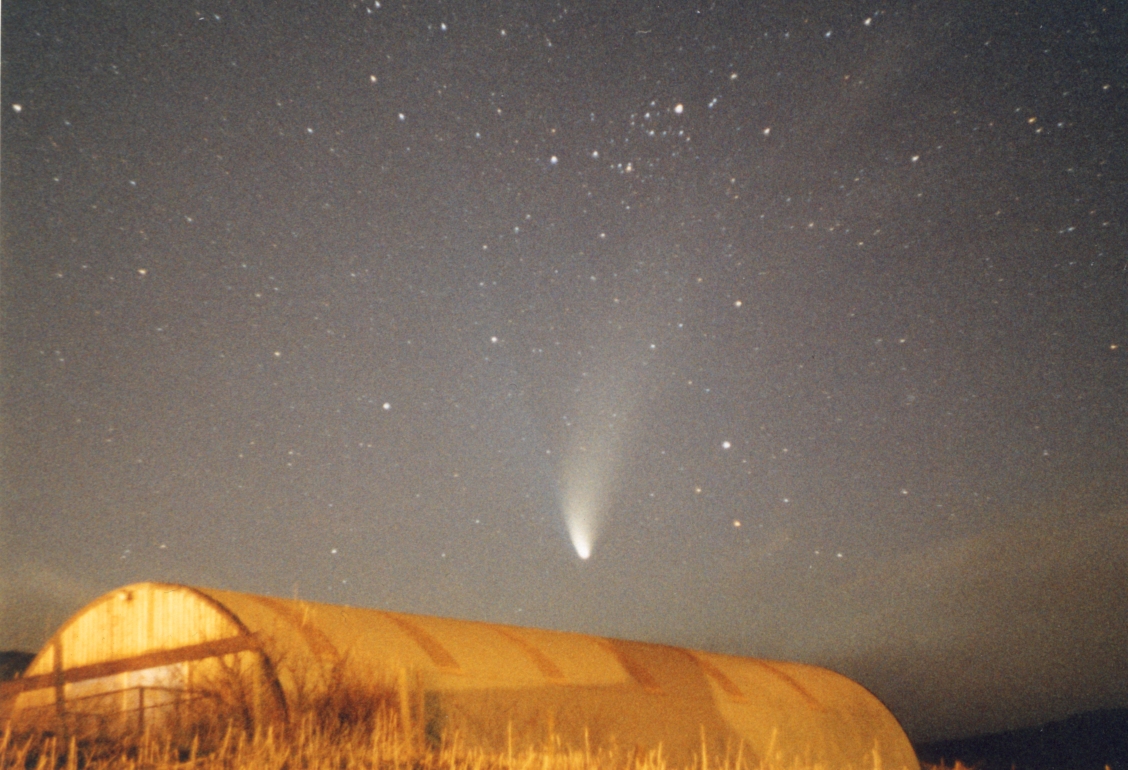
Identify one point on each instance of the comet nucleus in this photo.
(580, 541)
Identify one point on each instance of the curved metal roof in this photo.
(491, 681)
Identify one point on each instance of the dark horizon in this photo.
(781, 331)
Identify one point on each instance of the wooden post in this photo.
(60, 681)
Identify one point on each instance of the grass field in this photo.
(309, 745)
(344, 723)
(313, 749)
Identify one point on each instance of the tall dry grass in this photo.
(309, 746)
(341, 722)
(333, 718)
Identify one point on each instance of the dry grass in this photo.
(339, 722)
(308, 746)
(333, 719)
(380, 746)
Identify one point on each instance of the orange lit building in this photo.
(144, 652)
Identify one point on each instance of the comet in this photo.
(588, 476)
(581, 540)
(602, 425)
(582, 498)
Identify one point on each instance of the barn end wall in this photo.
(495, 685)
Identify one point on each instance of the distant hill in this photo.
(1089, 741)
(13, 663)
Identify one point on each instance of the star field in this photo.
(815, 318)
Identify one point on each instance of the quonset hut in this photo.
(144, 652)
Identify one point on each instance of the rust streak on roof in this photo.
(727, 685)
(434, 649)
(634, 669)
(318, 642)
(811, 700)
(544, 664)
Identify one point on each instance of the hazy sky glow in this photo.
(805, 326)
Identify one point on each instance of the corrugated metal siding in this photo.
(135, 620)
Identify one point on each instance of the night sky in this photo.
(806, 323)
